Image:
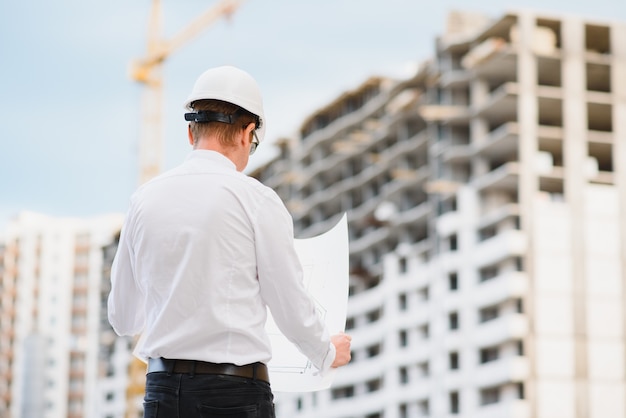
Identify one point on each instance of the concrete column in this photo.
(479, 129)
(618, 84)
(527, 118)
(574, 156)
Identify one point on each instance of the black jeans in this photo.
(181, 395)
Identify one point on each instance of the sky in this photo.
(70, 115)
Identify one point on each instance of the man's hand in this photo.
(342, 347)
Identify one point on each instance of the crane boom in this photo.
(225, 8)
(148, 71)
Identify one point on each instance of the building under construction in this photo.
(486, 199)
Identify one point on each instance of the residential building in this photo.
(7, 326)
(114, 391)
(51, 323)
(486, 200)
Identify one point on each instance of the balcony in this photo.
(496, 215)
(484, 52)
(302, 175)
(498, 65)
(514, 408)
(415, 317)
(510, 285)
(455, 79)
(403, 179)
(499, 372)
(361, 371)
(501, 107)
(445, 113)
(504, 245)
(497, 331)
(417, 143)
(457, 154)
(500, 143)
(503, 178)
(416, 215)
(359, 405)
(344, 122)
(369, 240)
(365, 301)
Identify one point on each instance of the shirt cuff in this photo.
(329, 359)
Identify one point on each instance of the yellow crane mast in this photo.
(148, 71)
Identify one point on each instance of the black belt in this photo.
(250, 371)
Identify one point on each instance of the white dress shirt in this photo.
(204, 249)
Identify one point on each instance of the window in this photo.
(600, 118)
(454, 402)
(598, 39)
(490, 396)
(352, 290)
(404, 338)
(373, 385)
(374, 315)
(487, 232)
(403, 410)
(342, 392)
(520, 391)
(423, 407)
(453, 243)
(424, 331)
(373, 350)
(453, 358)
(402, 302)
(403, 375)
(423, 369)
(453, 320)
(600, 158)
(489, 313)
(403, 265)
(488, 273)
(489, 354)
(453, 282)
(349, 323)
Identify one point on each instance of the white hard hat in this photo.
(232, 85)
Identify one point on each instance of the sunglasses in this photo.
(254, 144)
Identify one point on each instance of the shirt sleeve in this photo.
(125, 303)
(282, 288)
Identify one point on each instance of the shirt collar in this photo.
(213, 156)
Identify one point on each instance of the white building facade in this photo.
(486, 199)
(51, 320)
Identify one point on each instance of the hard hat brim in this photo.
(232, 85)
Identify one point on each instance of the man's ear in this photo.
(248, 133)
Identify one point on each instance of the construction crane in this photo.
(148, 71)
